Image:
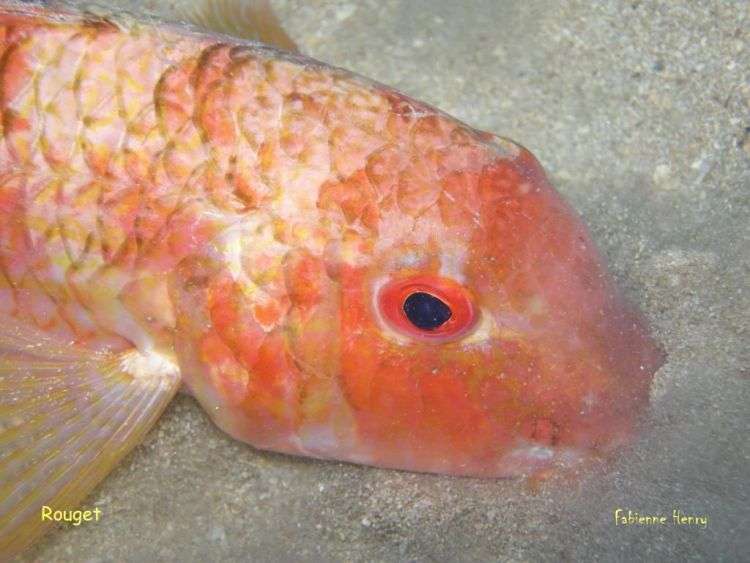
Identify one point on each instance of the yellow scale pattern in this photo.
(124, 150)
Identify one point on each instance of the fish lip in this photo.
(530, 456)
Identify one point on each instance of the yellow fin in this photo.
(249, 19)
(67, 417)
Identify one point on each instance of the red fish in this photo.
(331, 268)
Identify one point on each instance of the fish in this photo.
(330, 267)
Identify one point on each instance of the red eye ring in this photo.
(392, 296)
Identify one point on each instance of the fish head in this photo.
(483, 334)
(467, 326)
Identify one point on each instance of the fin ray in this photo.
(58, 479)
(67, 416)
(248, 19)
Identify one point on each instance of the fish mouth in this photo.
(593, 435)
(528, 457)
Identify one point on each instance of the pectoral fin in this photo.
(67, 416)
(249, 19)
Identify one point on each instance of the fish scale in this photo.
(137, 161)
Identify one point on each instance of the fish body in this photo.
(331, 268)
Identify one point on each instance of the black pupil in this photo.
(426, 311)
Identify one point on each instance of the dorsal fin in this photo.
(248, 19)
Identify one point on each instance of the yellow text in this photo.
(75, 517)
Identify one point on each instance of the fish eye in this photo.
(427, 307)
(426, 311)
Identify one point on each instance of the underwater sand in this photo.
(640, 112)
